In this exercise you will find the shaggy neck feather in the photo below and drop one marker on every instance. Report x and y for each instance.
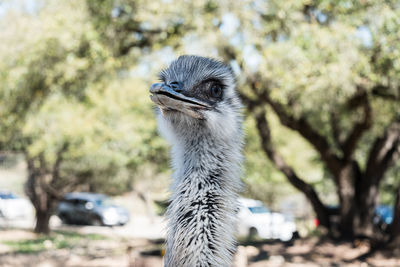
(201, 215)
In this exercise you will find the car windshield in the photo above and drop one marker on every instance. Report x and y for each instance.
(258, 209)
(104, 202)
(8, 196)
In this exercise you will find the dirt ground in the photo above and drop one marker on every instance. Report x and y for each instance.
(313, 253)
(116, 251)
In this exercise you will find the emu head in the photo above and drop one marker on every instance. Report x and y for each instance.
(197, 92)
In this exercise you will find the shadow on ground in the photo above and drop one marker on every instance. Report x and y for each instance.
(69, 248)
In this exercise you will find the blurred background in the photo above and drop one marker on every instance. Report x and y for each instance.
(84, 175)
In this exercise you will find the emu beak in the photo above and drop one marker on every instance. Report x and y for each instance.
(168, 98)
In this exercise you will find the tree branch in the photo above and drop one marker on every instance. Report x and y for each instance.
(29, 186)
(59, 159)
(280, 164)
(384, 151)
(334, 122)
(383, 91)
(359, 128)
(55, 174)
(302, 126)
(248, 102)
(51, 191)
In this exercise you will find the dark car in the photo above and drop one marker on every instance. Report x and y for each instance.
(91, 209)
(383, 217)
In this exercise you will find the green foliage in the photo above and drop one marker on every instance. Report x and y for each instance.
(312, 57)
(61, 87)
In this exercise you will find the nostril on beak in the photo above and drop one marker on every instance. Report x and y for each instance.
(176, 86)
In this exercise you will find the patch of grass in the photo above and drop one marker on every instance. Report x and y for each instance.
(78, 236)
(56, 240)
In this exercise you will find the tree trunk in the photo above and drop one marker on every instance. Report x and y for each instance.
(395, 225)
(358, 196)
(42, 221)
(346, 192)
(41, 200)
(367, 196)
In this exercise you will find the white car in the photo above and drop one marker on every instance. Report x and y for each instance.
(256, 220)
(13, 206)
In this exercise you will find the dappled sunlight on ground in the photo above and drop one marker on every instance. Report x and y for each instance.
(138, 227)
(313, 253)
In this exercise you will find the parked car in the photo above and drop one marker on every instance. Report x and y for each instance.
(12, 206)
(383, 217)
(91, 209)
(384, 214)
(255, 220)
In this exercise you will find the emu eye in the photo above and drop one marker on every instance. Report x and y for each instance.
(216, 91)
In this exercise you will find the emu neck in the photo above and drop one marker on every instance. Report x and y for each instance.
(196, 157)
(201, 215)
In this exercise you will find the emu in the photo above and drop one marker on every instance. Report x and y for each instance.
(199, 113)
